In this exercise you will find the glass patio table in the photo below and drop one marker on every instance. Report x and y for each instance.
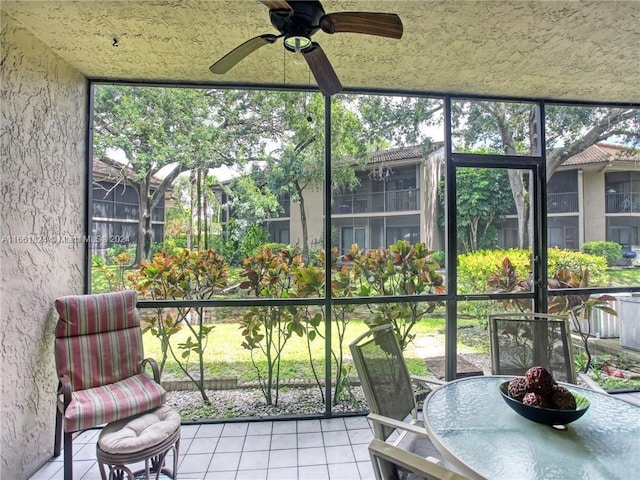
(474, 428)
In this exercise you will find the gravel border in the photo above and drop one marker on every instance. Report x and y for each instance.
(250, 403)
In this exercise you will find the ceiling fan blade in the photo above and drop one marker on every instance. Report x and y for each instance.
(322, 70)
(234, 56)
(276, 4)
(381, 24)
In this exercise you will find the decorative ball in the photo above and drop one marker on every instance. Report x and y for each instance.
(517, 388)
(540, 381)
(562, 399)
(535, 400)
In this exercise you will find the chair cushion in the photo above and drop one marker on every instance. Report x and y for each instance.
(97, 313)
(115, 401)
(139, 433)
(100, 359)
(98, 338)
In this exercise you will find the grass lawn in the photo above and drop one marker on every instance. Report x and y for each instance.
(225, 356)
(621, 277)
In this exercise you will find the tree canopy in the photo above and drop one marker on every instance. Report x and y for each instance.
(164, 132)
(173, 130)
(512, 128)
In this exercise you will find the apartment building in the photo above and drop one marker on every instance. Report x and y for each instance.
(115, 210)
(593, 196)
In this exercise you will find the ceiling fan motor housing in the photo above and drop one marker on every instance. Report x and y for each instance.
(301, 21)
(297, 21)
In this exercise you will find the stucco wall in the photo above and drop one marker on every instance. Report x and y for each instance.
(42, 203)
(595, 225)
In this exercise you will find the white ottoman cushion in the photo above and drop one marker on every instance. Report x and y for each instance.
(138, 433)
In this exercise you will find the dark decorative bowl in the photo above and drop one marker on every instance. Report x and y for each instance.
(547, 416)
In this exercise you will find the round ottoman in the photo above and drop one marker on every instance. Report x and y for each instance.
(149, 436)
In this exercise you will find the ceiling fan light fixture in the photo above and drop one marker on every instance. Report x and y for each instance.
(297, 21)
(297, 43)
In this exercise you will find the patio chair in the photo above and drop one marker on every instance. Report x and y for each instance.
(523, 340)
(389, 462)
(100, 366)
(388, 389)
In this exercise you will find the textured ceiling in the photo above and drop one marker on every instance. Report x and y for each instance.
(569, 50)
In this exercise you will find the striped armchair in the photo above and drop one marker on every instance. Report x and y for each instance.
(100, 365)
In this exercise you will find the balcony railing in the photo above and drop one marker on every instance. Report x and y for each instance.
(123, 211)
(393, 201)
(562, 202)
(623, 203)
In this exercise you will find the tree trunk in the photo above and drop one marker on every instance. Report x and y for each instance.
(205, 209)
(199, 215)
(144, 221)
(515, 176)
(192, 182)
(534, 149)
(303, 221)
(528, 218)
(517, 189)
(473, 233)
(431, 184)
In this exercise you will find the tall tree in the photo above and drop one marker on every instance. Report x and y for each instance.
(512, 129)
(481, 201)
(400, 120)
(297, 165)
(251, 203)
(173, 130)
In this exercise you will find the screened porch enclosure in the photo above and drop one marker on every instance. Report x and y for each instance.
(408, 224)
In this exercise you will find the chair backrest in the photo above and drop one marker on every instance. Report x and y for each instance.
(98, 338)
(523, 340)
(384, 376)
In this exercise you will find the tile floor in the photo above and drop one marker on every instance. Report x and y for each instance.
(331, 449)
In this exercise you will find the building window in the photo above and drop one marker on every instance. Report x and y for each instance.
(351, 235)
(562, 232)
(116, 214)
(562, 192)
(623, 230)
(509, 233)
(283, 235)
(622, 192)
(410, 234)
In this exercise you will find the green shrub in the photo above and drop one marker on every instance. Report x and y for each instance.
(97, 261)
(475, 268)
(611, 251)
(170, 246)
(114, 251)
(438, 257)
(274, 246)
(577, 261)
(252, 240)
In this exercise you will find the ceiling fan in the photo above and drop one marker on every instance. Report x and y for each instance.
(298, 21)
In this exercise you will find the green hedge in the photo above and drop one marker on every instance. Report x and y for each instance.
(475, 268)
(574, 261)
(611, 251)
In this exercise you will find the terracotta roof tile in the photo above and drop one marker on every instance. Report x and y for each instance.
(402, 153)
(603, 153)
(103, 172)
